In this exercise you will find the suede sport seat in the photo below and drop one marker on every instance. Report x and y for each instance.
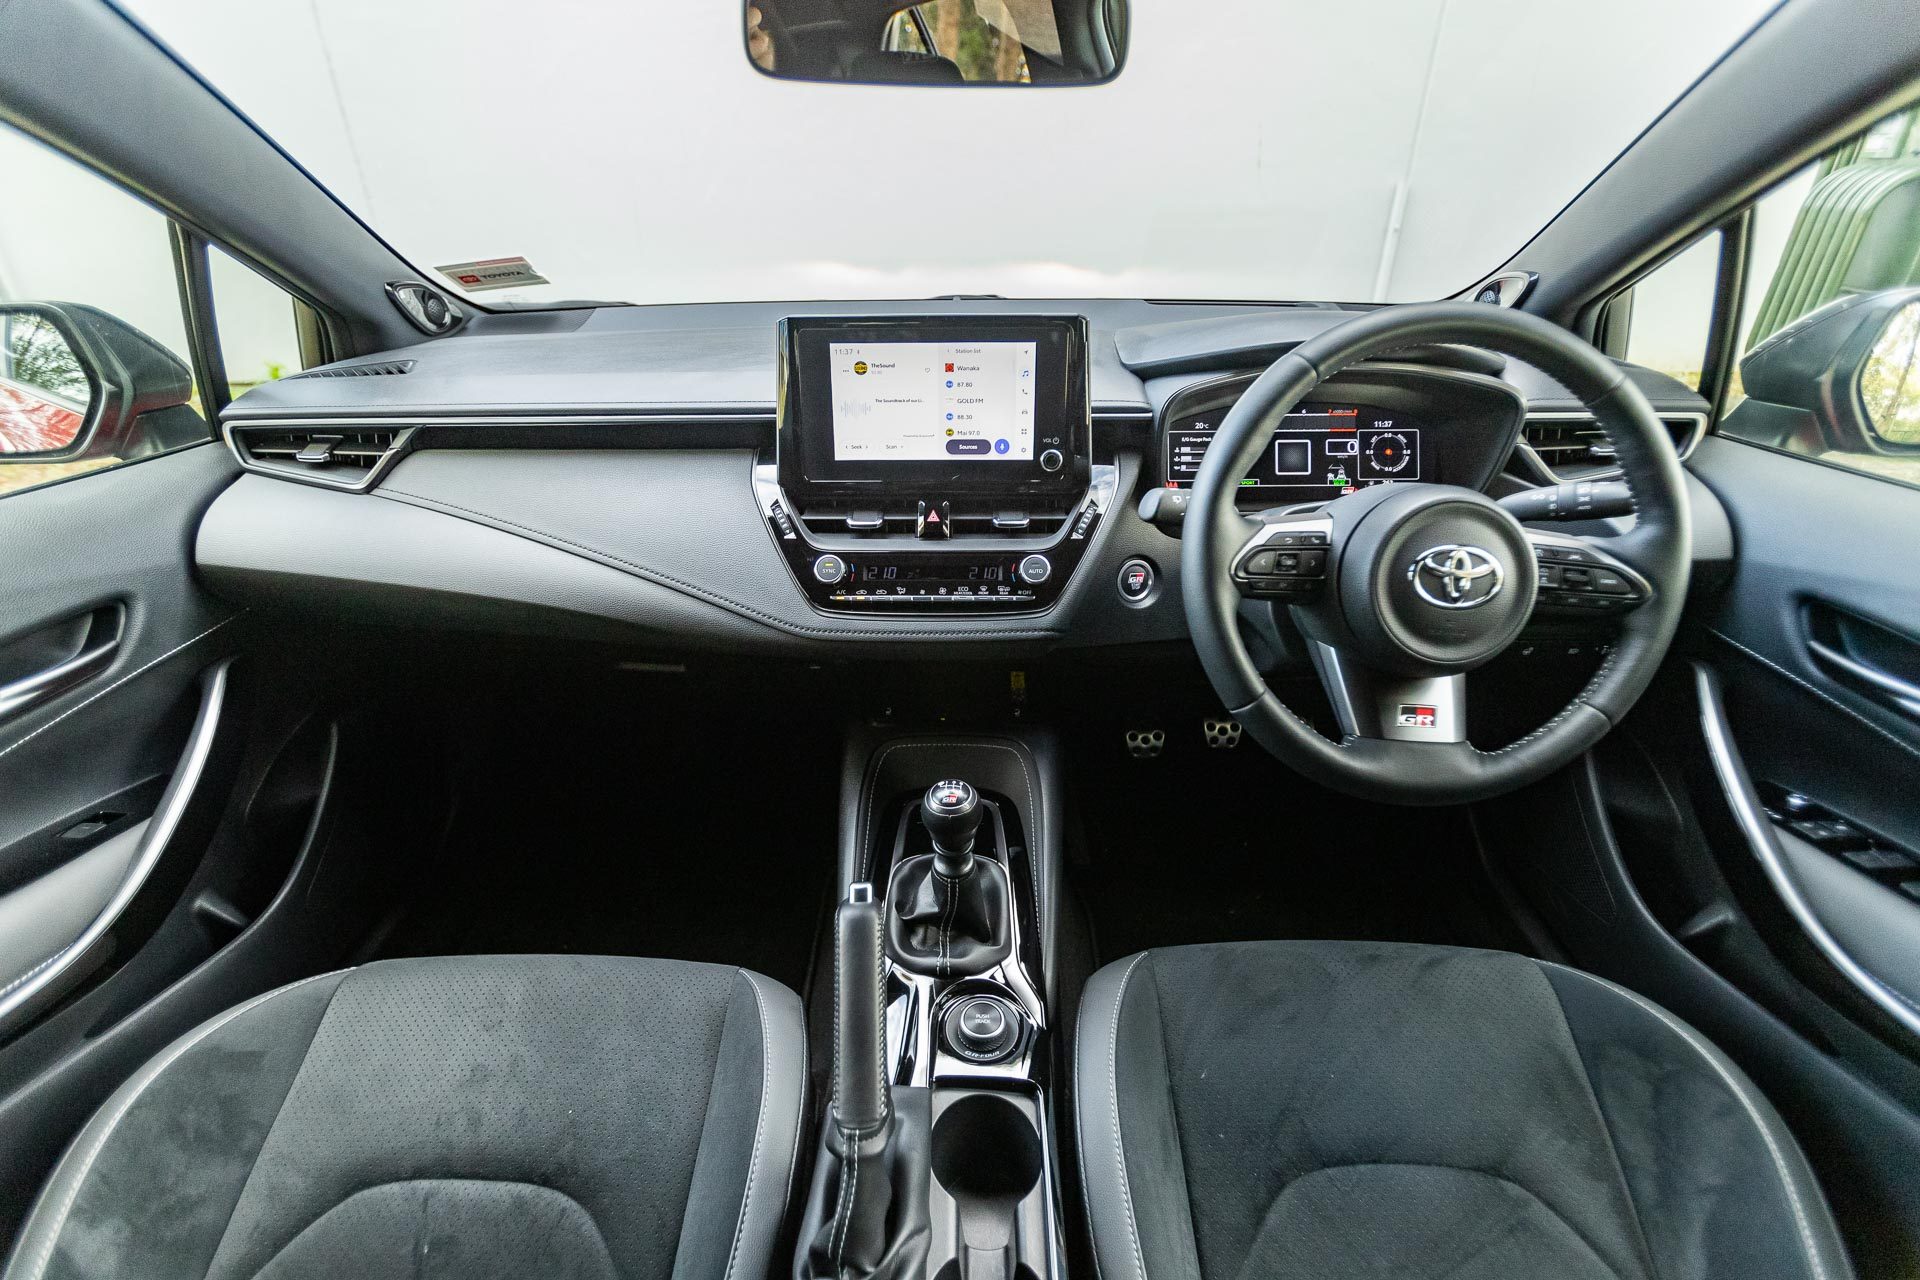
(1333, 1110)
(505, 1116)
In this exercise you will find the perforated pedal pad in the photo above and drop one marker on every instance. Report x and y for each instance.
(1145, 744)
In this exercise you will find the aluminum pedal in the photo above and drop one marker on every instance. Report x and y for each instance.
(1221, 735)
(1145, 744)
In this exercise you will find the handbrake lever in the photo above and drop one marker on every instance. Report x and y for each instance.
(866, 1216)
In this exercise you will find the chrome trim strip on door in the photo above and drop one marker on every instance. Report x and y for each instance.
(30, 691)
(1737, 786)
(19, 993)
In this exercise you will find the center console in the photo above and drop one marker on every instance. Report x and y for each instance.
(937, 1161)
(933, 464)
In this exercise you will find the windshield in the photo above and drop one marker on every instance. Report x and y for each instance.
(1256, 150)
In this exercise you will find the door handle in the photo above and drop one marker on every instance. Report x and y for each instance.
(30, 691)
(1902, 693)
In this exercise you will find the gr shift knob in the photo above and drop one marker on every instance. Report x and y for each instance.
(952, 813)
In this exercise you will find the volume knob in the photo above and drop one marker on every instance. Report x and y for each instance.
(1052, 460)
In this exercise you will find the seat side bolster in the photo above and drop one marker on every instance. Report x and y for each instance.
(1132, 1174)
(743, 1175)
(1683, 1117)
(69, 1189)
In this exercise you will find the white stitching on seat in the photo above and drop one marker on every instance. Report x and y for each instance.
(39, 1268)
(1693, 1042)
(759, 1122)
(1113, 1102)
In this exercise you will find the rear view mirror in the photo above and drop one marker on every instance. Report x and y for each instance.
(76, 383)
(951, 43)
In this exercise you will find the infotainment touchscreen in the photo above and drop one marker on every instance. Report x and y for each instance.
(931, 401)
(930, 407)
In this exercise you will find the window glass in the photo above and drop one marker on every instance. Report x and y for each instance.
(903, 35)
(83, 266)
(1833, 305)
(1673, 312)
(984, 37)
(259, 337)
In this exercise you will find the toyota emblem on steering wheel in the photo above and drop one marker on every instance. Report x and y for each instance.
(1456, 577)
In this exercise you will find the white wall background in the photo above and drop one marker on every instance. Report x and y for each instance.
(1250, 149)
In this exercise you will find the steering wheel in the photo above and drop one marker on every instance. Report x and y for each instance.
(1401, 589)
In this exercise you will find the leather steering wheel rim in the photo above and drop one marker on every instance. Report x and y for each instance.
(1658, 548)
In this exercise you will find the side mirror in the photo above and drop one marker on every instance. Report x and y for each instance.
(1846, 367)
(77, 383)
(1890, 380)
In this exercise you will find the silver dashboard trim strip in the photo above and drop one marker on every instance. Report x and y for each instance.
(1737, 786)
(160, 828)
(500, 419)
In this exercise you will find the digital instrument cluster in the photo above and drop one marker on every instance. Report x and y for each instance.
(1318, 452)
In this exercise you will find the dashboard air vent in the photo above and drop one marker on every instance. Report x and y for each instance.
(347, 458)
(1572, 445)
(380, 369)
(1037, 519)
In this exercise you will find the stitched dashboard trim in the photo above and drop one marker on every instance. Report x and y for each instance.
(688, 588)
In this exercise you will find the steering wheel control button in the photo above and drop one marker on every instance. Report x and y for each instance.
(1577, 580)
(1136, 580)
(1036, 569)
(829, 569)
(1052, 460)
(983, 1028)
(1283, 563)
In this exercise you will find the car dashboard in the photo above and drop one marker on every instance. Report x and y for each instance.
(708, 478)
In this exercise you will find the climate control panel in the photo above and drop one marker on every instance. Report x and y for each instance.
(876, 574)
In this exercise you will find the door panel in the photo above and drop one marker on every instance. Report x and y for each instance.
(86, 765)
(1814, 541)
(1810, 642)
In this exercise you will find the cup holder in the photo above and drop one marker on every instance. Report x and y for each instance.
(985, 1148)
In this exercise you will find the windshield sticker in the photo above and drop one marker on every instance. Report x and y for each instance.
(493, 273)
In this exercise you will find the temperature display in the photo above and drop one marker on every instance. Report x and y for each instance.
(934, 578)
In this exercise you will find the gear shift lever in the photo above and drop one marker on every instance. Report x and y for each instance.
(947, 911)
(951, 812)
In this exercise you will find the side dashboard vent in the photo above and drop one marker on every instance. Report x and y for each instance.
(1572, 445)
(345, 458)
(380, 369)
